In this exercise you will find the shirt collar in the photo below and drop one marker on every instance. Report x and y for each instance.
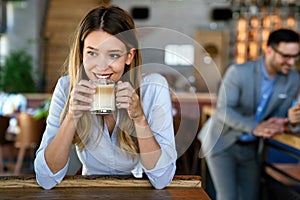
(266, 75)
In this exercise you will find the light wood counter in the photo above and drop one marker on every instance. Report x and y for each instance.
(102, 187)
(191, 97)
(288, 139)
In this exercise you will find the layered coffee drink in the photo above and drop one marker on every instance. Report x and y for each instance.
(104, 98)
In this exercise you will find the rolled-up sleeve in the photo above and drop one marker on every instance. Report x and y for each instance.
(44, 177)
(158, 109)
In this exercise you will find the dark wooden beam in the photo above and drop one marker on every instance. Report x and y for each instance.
(3, 16)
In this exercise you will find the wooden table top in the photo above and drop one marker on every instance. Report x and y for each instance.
(291, 140)
(101, 187)
(191, 97)
(291, 169)
(286, 173)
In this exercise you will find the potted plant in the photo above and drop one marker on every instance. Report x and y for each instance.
(16, 74)
(42, 111)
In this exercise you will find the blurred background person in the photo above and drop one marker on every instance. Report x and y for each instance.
(253, 102)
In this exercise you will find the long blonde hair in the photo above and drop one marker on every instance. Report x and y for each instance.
(114, 21)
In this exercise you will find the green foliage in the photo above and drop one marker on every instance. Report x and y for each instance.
(43, 110)
(16, 74)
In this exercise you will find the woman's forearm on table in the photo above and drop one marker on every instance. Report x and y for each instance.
(57, 152)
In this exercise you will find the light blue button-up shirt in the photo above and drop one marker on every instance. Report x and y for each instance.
(106, 157)
(266, 91)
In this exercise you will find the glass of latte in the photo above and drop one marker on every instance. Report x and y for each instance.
(104, 98)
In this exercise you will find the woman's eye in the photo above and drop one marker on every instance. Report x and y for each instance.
(92, 53)
(115, 56)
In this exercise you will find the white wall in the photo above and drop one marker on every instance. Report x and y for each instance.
(22, 27)
(181, 15)
(175, 22)
(24, 23)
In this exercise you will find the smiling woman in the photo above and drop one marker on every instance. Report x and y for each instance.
(105, 58)
(130, 140)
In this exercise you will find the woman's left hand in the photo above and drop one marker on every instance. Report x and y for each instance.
(127, 98)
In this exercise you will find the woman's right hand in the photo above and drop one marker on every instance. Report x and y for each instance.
(81, 98)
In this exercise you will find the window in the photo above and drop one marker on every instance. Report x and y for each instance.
(179, 55)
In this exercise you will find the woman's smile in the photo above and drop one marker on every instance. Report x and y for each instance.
(102, 76)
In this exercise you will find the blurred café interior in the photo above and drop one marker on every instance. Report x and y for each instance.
(190, 42)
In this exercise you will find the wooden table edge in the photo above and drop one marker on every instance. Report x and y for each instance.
(99, 181)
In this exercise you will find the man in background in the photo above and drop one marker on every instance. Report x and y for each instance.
(253, 101)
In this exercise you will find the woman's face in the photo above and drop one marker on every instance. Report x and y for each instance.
(105, 56)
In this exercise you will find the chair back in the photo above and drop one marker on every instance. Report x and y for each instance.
(4, 123)
(31, 130)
